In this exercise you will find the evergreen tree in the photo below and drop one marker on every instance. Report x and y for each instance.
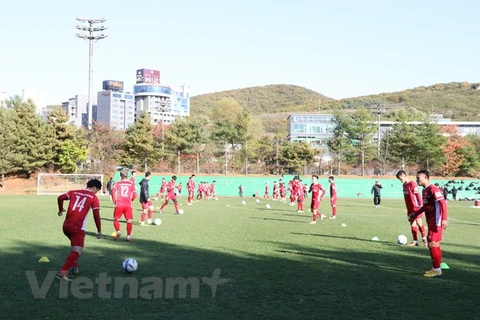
(35, 140)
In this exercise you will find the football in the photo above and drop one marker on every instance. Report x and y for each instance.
(257, 201)
(402, 239)
(243, 202)
(180, 211)
(267, 206)
(130, 265)
(158, 222)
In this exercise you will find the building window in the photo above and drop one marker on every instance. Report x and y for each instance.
(298, 127)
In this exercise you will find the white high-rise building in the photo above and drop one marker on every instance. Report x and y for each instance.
(37, 97)
(77, 110)
(115, 107)
(163, 102)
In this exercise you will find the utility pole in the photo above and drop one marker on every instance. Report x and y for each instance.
(92, 29)
(379, 108)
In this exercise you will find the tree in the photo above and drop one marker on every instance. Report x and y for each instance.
(401, 137)
(9, 159)
(139, 143)
(296, 155)
(232, 125)
(71, 147)
(452, 151)
(428, 142)
(106, 148)
(338, 144)
(357, 129)
(186, 135)
(35, 139)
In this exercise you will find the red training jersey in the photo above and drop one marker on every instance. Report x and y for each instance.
(333, 190)
(171, 187)
(190, 185)
(123, 193)
(434, 206)
(413, 198)
(81, 201)
(317, 191)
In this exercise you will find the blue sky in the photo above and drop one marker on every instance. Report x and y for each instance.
(338, 48)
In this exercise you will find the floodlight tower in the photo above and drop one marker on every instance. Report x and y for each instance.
(92, 33)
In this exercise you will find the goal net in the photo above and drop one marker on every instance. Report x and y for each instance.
(56, 184)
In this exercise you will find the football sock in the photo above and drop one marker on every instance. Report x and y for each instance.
(422, 232)
(414, 233)
(116, 225)
(176, 207)
(70, 262)
(163, 206)
(334, 211)
(314, 216)
(150, 214)
(436, 255)
(129, 228)
(142, 219)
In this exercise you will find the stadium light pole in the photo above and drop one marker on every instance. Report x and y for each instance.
(92, 29)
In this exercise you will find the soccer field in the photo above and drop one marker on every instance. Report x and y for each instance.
(264, 264)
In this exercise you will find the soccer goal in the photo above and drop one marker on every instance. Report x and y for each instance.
(56, 184)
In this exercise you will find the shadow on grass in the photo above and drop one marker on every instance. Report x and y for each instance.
(286, 281)
(273, 219)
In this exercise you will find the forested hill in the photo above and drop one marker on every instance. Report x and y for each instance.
(264, 100)
(457, 100)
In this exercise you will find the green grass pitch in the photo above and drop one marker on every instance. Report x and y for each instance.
(278, 266)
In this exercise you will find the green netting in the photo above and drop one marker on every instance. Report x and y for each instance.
(227, 186)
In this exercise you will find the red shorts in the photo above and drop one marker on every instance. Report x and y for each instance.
(314, 205)
(300, 198)
(172, 197)
(119, 211)
(146, 205)
(76, 236)
(434, 233)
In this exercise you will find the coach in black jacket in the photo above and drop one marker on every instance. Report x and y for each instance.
(376, 191)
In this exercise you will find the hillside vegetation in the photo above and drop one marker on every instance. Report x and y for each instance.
(272, 104)
(261, 100)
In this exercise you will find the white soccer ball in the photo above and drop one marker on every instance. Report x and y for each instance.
(257, 201)
(158, 221)
(130, 265)
(243, 202)
(401, 239)
(267, 206)
(180, 211)
(216, 198)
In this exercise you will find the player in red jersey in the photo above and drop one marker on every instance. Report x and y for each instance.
(275, 191)
(190, 189)
(283, 195)
(170, 195)
(435, 208)
(318, 192)
(123, 193)
(213, 194)
(266, 195)
(333, 196)
(161, 192)
(145, 200)
(413, 202)
(132, 178)
(81, 201)
(293, 190)
(300, 195)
